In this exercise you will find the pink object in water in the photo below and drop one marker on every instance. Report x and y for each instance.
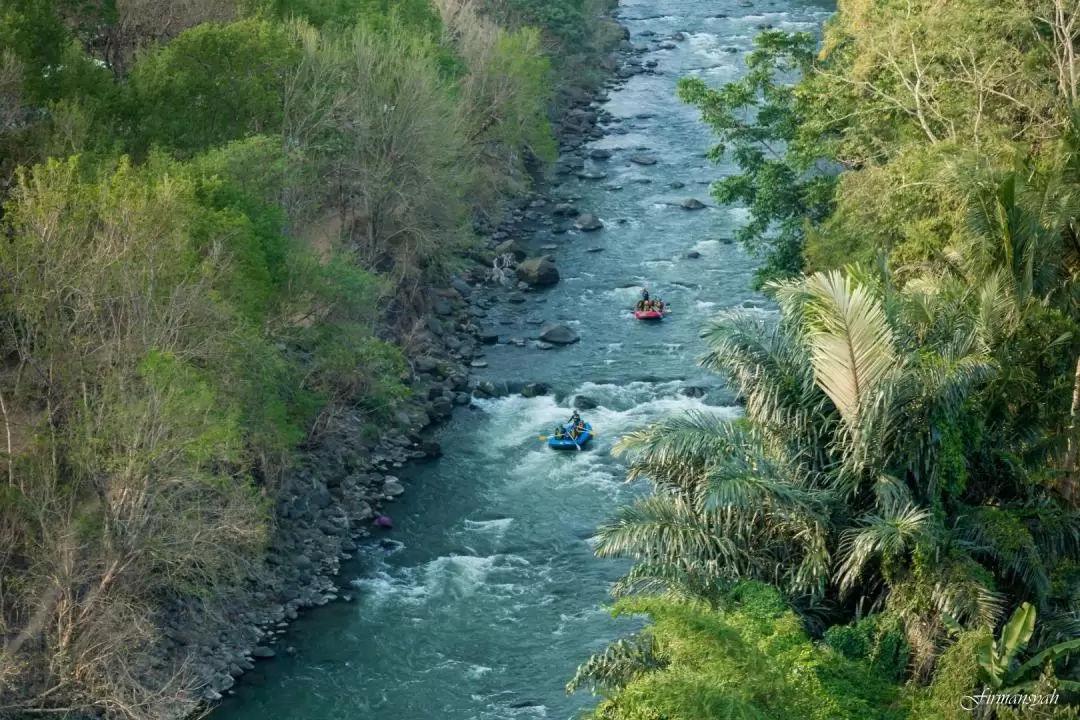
(384, 521)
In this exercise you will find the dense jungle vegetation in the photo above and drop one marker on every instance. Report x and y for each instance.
(217, 214)
(893, 524)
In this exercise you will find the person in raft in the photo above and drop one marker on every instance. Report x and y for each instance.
(645, 293)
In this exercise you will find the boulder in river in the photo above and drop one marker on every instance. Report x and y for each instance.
(643, 160)
(676, 185)
(600, 154)
(584, 402)
(693, 254)
(539, 271)
(587, 222)
(591, 175)
(513, 247)
(565, 209)
(692, 391)
(534, 390)
(558, 335)
(692, 204)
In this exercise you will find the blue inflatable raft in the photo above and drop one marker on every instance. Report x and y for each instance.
(568, 444)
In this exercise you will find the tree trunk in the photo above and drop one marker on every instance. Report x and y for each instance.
(1068, 485)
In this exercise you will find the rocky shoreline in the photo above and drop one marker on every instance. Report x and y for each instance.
(340, 486)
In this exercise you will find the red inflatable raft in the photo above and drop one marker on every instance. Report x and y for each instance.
(648, 315)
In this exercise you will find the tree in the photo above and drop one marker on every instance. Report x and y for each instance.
(847, 483)
(210, 85)
(757, 119)
(748, 659)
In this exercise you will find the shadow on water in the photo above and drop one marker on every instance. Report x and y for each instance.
(490, 596)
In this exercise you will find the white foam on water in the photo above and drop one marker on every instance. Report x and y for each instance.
(385, 587)
(705, 305)
(704, 246)
(614, 348)
(739, 215)
(458, 575)
(497, 528)
(475, 672)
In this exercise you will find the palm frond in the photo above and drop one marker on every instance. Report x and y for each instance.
(619, 664)
(706, 582)
(886, 536)
(664, 527)
(851, 343)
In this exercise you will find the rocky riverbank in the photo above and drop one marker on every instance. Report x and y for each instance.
(340, 486)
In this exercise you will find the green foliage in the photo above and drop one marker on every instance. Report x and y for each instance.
(877, 639)
(210, 85)
(751, 659)
(756, 118)
(54, 67)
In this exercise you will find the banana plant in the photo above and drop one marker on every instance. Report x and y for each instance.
(998, 662)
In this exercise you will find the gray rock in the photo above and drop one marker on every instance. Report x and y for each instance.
(565, 209)
(442, 408)
(516, 298)
(263, 652)
(584, 402)
(425, 364)
(392, 487)
(558, 335)
(693, 254)
(461, 286)
(443, 308)
(478, 364)
(595, 250)
(588, 222)
(538, 271)
(488, 338)
(692, 204)
(676, 185)
(642, 160)
(535, 390)
(693, 391)
(600, 154)
(591, 175)
(513, 247)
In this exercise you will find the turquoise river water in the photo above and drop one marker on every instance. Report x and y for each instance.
(492, 596)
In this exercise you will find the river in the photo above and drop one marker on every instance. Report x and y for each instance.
(491, 595)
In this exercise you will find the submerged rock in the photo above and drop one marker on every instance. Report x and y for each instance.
(539, 271)
(692, 204)
(559, 335)
(588, 222)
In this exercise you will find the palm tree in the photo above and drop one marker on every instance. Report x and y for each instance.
(846, 482)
